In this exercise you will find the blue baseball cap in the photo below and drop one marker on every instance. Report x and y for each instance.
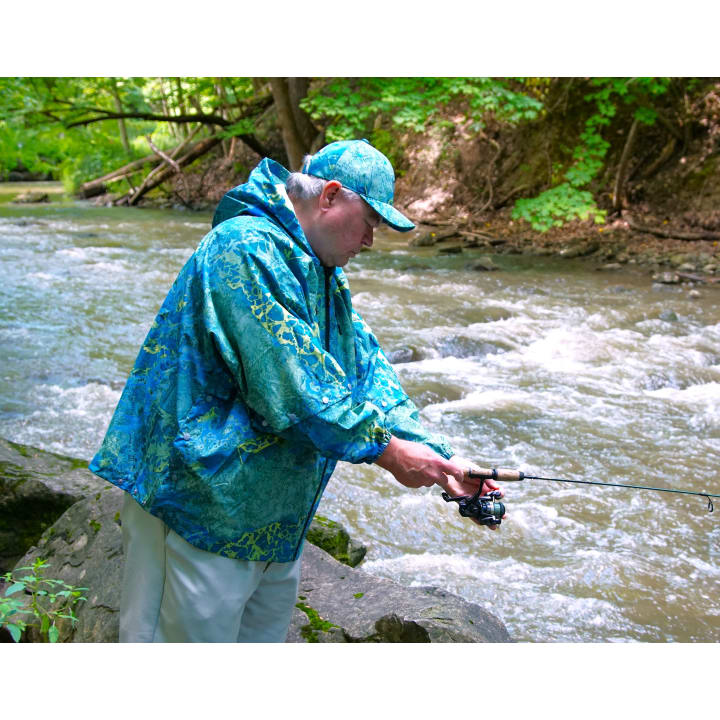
(358, 166)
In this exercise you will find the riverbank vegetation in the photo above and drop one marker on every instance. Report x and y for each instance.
(526, 158)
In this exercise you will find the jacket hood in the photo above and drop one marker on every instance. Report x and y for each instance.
(263, 195)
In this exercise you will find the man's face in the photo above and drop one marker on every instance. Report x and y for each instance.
(341, 227)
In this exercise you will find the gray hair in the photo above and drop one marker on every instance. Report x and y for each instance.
(305, 187)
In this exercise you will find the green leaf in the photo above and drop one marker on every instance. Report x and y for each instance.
(15, 631)
(53, 634)
(15, 587)
(45, 624)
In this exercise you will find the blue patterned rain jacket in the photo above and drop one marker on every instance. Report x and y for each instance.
(255, 378)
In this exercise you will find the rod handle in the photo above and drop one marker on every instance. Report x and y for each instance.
(499, 474)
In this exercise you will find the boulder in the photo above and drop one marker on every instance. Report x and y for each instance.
(610, 266)
(332, 537)
(336, 603)
(341, 604)
(36, 487)
(580, 248)
(404, 354)
(33, 196)
(666, 278)
(482, 264)
(427, 239)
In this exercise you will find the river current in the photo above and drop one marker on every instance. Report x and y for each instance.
(545, 365)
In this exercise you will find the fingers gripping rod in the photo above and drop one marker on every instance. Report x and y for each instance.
(504, 475)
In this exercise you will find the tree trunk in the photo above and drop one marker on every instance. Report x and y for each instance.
(619, 189)
(121, 121)
(166, 107)
(297, 90)
(294, 145)
(180, 102)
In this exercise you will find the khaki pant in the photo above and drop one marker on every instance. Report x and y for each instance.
(175, 592)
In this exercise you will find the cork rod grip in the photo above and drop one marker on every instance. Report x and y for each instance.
(499, 474)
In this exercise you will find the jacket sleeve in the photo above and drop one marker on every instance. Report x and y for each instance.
(256, 313)
(402, 418)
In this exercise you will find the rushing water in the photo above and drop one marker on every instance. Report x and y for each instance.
(546, 365)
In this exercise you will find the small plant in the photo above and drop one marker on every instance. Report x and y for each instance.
(50, 599)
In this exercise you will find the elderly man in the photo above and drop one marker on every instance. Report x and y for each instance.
(255, 378)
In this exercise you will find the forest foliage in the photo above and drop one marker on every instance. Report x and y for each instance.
(79, 129)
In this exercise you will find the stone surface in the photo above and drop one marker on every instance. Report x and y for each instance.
(343, 604)
(36, 487)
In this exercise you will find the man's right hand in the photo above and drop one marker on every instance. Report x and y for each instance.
(415, 465)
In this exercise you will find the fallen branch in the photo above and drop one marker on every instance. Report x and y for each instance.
(97, 186)
(169, 159)
(697, 278)
(166, 171)
(673, 234)
(476, 238)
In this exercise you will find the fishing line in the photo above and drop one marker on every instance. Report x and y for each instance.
(502, 475)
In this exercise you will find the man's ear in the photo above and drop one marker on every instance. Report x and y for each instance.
(329, 194)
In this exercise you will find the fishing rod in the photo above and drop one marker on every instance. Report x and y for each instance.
(487, 509)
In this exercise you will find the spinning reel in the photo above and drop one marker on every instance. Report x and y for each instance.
(486, 509)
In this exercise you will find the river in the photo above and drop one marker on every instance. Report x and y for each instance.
(546, 365)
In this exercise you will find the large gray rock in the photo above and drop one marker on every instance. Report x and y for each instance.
(84, 549)
(36, 487)
(336, 603)
(341, 604)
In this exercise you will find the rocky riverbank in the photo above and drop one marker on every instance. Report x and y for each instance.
(608, 247)
(52, 507)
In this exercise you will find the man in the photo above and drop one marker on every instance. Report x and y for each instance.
(255, 378)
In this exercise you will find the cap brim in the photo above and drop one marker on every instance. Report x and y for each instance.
(396, 220)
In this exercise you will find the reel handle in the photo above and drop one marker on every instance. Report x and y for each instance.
(499, 474)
